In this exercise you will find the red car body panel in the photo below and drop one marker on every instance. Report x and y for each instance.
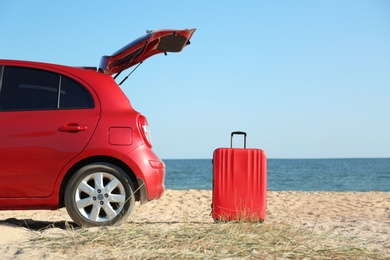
(34, 182)
(32, 146)
(41, 148)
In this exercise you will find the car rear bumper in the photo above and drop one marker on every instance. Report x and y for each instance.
(155, 185)
(150, 173)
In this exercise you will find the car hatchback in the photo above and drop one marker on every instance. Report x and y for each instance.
(70, 137)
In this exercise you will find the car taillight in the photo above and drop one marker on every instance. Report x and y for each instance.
(145, 131)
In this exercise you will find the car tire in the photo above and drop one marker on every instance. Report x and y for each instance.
(99, 194)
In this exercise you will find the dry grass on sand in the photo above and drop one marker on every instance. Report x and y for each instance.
(299, 226)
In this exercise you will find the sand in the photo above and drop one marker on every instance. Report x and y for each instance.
(365, 216)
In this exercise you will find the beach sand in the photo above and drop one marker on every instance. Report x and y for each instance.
(363, 215)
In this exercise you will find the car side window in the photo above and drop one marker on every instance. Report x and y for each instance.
(28, 89)
(33, 89)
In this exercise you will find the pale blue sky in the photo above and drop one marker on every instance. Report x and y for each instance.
(304, 79)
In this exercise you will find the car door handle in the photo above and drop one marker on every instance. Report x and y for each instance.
(72, 128)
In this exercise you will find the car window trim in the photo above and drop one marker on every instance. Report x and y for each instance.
(59, 91)
(1, 77)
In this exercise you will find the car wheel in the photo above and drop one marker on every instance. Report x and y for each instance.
(99, 194)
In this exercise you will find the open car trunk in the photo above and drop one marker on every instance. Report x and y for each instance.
(154, 42)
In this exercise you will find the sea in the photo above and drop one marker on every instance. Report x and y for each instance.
(357, 175)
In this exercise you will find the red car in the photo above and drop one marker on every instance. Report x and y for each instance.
(70, 137)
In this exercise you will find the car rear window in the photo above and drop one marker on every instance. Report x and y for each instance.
(33, 89)
(74, 95)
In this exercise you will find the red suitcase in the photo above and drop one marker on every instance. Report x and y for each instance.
(239, 183)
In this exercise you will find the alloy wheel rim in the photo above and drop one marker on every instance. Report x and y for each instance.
(100, 197)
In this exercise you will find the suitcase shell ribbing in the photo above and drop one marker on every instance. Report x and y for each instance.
(239, 184)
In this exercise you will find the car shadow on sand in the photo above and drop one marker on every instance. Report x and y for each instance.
(38, 225)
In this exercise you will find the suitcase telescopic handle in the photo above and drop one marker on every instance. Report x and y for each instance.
(237, 133)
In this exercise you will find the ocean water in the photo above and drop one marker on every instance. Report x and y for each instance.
(292, 174)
